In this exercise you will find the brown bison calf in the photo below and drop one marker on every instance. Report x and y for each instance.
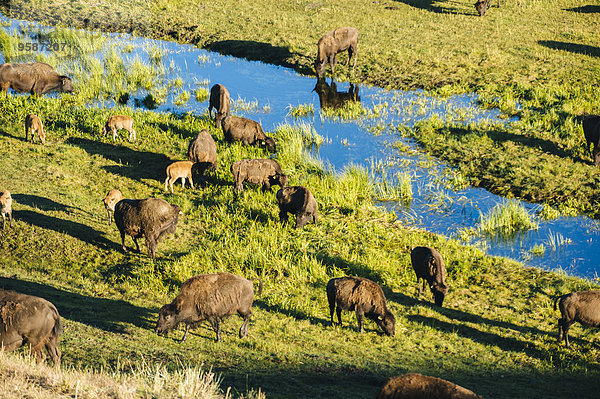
(363, 296)
(429, 266)
(209, 297)
(591, 131)
(582, 307)
(26, 319)
(332, 43)
(118, 122)
(220, 101)
(266, 172)
(299, 201)
(150, 218)
(482, 6)
(180, 169)
(34, 124)
(247, 131)
(202, 151)
(6, 208)
(419, 386)
(110, 201)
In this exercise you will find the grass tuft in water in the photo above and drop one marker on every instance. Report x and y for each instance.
(507, 219)
(301, 110)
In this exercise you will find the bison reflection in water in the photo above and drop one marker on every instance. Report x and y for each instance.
(330, 97)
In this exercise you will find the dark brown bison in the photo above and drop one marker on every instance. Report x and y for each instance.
(429, 266)
(419, 386)
(26, 319)
(332, 43)
(582, 307)
(591, 131)
(299, 201)
(149, 218)
(211, 297)
(6, 208)
(266, 172)
(202, 150)
(482, 6)
(329, 97)
(363, 296)
(34, 77)
(220, 101)
(247, 131)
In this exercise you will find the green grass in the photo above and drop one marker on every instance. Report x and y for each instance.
(507, 219)
(496, 332)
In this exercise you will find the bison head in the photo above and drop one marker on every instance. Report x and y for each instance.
(481, 7)
(167, 318)
(66, 84)
(439, 293)
(270, 144)
(387, 323)
(320, 68)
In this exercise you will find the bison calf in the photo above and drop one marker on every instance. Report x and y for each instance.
(247, 131)
(209, 297)
(363, 296)
(34, 124)
(6, 208)
(419, 386)
(180, 169)
(332, 43)
(298, 201)
(591, 131)
(110, 201)
(220, 101)
(202, 151)
(582, 307)
(266, 172)
(150, 218)
(26, 319)
(118, 122)
(429, 266)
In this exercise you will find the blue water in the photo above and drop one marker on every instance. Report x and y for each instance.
(572, 244)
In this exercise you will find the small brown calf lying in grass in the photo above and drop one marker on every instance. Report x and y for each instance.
(118, 122)
(180, 169)
(33, 123)
(6, 208)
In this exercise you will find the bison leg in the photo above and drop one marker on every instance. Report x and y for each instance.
(123, 241)
(132, 135)
(360, 317)
(167, 183)
(10, 218)
(3, 222)
(338, 312)
(54, 352)
(565, 327)
(190, 180)
(216, 325)
(182, 182)
(38, 351)
(185, 335)
(151, 244)
(332, 63)
(244, 327)
(596, 154)
(283, 216)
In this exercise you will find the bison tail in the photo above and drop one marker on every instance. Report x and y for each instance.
(556, 298)
(260, 285)
(58, 328)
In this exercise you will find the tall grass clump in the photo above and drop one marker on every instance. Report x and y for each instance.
(507, 219)
(201, 94)
(386, 190)
(296, 155)
(301, 110)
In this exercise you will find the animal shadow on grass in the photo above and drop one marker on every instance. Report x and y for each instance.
(575, 48)
(136, 165)
(587, 9)
(296, 314)
(449, 7)
(43, 203)
(74, 229)
(351, 268)
(103, 313)
(17, 137)
(174, 128)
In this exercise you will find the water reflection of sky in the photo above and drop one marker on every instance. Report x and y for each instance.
(571, 244)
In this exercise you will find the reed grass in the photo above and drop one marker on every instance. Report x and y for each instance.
(507, 219)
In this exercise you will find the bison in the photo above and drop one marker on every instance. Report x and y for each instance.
(591, 131)
(266, 172)
(581, 306)
(211, 297)
(247, 131)
(332, 43)
(34, 124)
(202, 150)
(149, 218)
(363, 296)
(6, 208)
(329, 97)
(180, 169)
(419, 386)
(429, 266)
(34, 77)
(299, 201)
(220, 101)
(482, 6)
(118, 122)
(26, 319)
(110, 201)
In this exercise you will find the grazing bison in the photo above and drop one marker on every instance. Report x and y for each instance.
(266, 172)
(34, 124)
(6, 208)
(110, 201)
(118, 122)
(220, 101)
(202, 150)
(26, 319)
(419, 386)
(211, 297)
(247, 131)
(334, 42)
(180, 169)
(429, 266)
(363, 296)
(34, 77)
(298, 201)
(329, 97)
(581, 306)
(149, 218)
(482, 5)
(591, 131)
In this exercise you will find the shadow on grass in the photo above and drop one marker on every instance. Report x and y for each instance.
(136, 165)
(292, 313)
(351, 268)
(259, 51)
(18, 137)
(587, 9)
(575, 48)
(106, 314)
(43, 203)
(448, 7)
(74, 229)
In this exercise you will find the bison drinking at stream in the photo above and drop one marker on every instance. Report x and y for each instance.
(332, 43)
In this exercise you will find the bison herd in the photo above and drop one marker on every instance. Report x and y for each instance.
(33, 321)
